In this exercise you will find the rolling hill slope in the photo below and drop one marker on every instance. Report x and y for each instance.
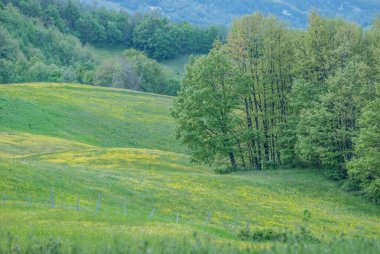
(71, 143)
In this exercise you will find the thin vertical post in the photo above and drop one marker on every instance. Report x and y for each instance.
(208, 218)
(125, 209)
(152, 213)
(77, 204)
(177, 220)
(247, 225)
(29, 201)
(98, 203)
(234, 225)
(51, 198)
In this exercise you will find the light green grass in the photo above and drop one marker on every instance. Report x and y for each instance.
(90, 115)
(106, 52)
(175, 68)
(82, 140)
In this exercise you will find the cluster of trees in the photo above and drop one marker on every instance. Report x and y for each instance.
(50, 40)
(273, 96)
(30, 51)
(134, 70)
(162, 39)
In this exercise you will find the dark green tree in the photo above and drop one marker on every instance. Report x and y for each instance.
(204, 110)
(364, 169)
(90, 30)
(71, 13)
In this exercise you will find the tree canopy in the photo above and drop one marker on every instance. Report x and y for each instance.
(289, 98)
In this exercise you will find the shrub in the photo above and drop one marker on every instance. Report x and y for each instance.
(268, 234)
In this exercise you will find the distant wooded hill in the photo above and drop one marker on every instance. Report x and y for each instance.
(224, 11)
(55, 41)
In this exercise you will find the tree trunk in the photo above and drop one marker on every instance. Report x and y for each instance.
(251, 146)
(232, 160)
(241, 154)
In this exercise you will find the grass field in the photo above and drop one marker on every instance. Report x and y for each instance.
(176, 67)
(106, 52)
(80, 141)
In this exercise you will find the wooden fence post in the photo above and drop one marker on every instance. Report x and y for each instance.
(152, 213)
(51, 198)
(98, 203)
(208, 218)
(247, 225)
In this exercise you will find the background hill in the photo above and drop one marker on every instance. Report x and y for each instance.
(120, 144)
(223, 11)
(72, 42)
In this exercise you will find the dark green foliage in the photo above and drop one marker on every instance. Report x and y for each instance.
(11, 57)
(152, 33)
(161, 39)
(297, 106)
(266, 235)
(42, 72)
(262, 235)
(364, 169)
(44, 41)
(338, 78)
(134, 70)
(90, 30)
(341, 76)
(302, 97)
(258, 49)
(208, 130)
(33, 52)
(330, 126)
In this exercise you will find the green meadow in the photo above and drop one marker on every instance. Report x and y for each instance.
(71, 143)
(175, 68)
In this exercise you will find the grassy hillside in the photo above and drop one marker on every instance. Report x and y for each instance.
(82, 140)
(91, 115)
(105, 53)
(176, 67)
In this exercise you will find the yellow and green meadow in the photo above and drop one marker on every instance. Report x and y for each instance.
(81, 141)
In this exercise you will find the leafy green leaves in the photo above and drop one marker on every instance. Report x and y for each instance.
(204, 109)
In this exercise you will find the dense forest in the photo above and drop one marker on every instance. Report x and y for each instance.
(49, 40)
(272, 97)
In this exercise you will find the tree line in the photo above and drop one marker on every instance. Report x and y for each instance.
(272, 96)
(50, 40)
(152, 33)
